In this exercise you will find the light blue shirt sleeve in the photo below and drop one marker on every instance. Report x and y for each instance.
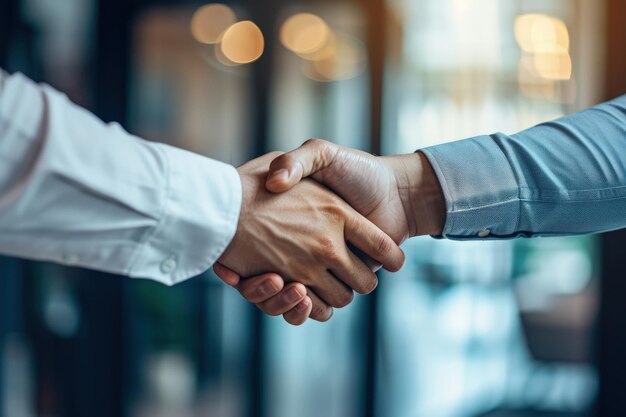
(563, 177)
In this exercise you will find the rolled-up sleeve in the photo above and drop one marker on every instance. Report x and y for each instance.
(563, 177)
(76, 191)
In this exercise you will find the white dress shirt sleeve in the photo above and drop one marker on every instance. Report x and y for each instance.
(79, 192)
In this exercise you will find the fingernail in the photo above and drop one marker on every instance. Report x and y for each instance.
(292, 295)
(266, 289)
(281, 174)
(303, 306)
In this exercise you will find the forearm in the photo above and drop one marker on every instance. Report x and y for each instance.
(76, 191)
(562, 177)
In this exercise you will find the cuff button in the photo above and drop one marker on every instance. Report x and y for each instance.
(168, 265)
(484, 233)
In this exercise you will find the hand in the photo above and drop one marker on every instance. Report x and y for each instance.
(302, 234)
(271, 295)
(401, 194)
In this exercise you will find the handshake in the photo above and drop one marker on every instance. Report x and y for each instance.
(304, 245)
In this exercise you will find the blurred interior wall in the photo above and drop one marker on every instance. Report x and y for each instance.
(592, 70)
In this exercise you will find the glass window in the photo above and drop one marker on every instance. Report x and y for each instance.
(468, 327)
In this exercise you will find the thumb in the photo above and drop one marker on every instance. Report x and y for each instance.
(288, 169)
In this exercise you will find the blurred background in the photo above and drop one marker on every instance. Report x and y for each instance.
(525, 328)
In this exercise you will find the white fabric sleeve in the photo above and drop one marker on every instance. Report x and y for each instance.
(76, 191)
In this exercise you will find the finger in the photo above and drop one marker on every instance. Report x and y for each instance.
(332, 290)
(372, 264)
(373, 242)
(225, 274)
(320, 311)
(300, 313)
(354, 273)
(292, 295)
(261, 288)
(288, 169)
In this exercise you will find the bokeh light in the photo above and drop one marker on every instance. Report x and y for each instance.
(346, 59)
(210, 21)
(538, 33)
(556, 65)
(325, 52)
(243, 42)
(304, 33)
(223, 59)
(545, 43)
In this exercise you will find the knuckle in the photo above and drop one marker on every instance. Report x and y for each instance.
(329, 250)
(383, 244)
(338, 206)
(314, 142)
(325, 150)
(335, 209)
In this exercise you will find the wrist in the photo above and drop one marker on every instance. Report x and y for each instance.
(420, 193)
(231, 257)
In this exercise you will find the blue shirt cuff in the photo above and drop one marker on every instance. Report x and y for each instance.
(476, 209)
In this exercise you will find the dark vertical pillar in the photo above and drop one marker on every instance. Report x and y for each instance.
(263, 13)
(612, 333)
(100, 352)
(99, 381)
(376, 46)
(7, 266)
(112, 59)
(7, 19)
(11, 308)
(10, 288)
(376, 12)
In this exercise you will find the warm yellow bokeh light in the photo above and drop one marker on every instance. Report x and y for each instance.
(325, 52)
(538, 33)
(545, 43)
(347, 61)
(222, 59)
(562, 34)
(210, 21)
(243, 42)
(304, 33)
(556, 65)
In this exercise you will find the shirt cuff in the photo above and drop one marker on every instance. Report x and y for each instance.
(199, 220)
(480, 188)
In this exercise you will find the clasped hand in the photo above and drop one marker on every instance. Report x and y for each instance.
(298, 250)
